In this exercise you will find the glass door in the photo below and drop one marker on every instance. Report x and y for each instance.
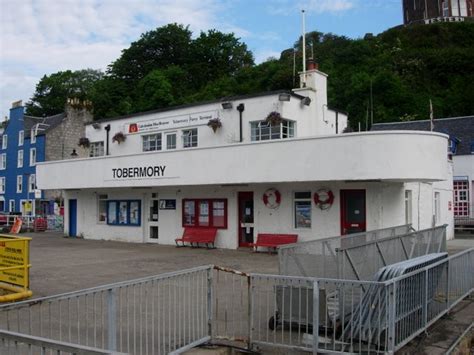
(246, 219)
(153, 218)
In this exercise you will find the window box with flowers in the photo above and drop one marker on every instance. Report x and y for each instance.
(214, 123)
(84, 142)
(119, 137)
(274, 118)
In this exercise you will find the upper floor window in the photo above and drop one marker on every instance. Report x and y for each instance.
(4, 141)
(19, 183)
(33, 135)
(32, 156)
(190, 138)
(2, 185)
(171, 141)
(20, 159)
(96, 149)
(32, 183)
(152, 142)
(3, 161)
(21, 138)
(262, 131)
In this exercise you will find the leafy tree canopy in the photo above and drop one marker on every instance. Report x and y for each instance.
(405, 66)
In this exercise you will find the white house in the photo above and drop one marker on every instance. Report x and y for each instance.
(461, 149)
(299, 176)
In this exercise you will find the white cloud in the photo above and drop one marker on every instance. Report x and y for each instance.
(41, 37)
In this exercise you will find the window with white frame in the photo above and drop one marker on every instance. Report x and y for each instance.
(20, 159)
(32, 183)
(102, 208)
(19, 183)
(21, 138)
(4, 141)
(96, 149)
(302, 209)
(32, 156)
(262, 130)
(3, 161)
(151, 142)
(33, 135)
(190, 138)
(408, 207)
(461, 198)
(2, 185)
(171, 141)
(11, 205)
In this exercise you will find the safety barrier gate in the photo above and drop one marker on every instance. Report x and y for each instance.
(14, 268)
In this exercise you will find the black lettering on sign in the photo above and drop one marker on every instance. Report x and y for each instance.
(139, 172)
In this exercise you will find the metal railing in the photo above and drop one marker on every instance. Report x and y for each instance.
(158, 314)
(359, 256)
(173, 312)
(19, 344)
(28, 222)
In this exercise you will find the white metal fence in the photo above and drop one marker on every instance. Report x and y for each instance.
(359, 256)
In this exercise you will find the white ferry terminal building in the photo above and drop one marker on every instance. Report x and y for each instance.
(222, 164)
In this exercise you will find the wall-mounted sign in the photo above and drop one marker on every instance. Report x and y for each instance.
(139, 172)
(199, 118)
(167, 204)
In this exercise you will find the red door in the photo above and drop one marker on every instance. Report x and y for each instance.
(246, 222)
(353, 219)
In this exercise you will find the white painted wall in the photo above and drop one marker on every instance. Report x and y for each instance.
(386, 156)
(385, 208)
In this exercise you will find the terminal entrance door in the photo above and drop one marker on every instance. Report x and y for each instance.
(353, 218)
(246, 219)
(152, 218)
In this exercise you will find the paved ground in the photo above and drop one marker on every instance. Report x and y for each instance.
(66, 264)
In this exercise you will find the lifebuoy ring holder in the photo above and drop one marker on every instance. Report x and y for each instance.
(326, 203)
(271, 192)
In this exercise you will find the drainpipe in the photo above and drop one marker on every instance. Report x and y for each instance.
(240, 108)
(107, 129)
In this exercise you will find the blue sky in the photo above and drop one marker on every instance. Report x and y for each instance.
(39, 37)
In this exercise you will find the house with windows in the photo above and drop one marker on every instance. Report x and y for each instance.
(27, 140)
(275, 162)
(460, 149)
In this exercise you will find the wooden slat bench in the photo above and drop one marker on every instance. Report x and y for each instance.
(272, 241)
(201, 235)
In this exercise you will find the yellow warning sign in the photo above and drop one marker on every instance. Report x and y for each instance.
(14, 260)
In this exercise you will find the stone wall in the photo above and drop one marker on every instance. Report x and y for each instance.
(63, 139)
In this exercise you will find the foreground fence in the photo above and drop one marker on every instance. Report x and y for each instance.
(359, 256)
(176, 311)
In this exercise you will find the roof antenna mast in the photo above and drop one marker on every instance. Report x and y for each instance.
(304, 48)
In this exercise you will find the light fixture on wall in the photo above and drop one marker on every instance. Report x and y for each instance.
(284, 96)
(305, 101)
(74, 153)
(227, 105)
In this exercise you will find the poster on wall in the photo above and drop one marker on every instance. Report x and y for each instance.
(123, 213)
(303, 214)
(134, 212)
(112, 213)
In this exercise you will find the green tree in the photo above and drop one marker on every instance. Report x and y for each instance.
(53, 90)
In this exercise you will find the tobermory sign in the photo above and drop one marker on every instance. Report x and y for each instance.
(139, 172)
(199, 118)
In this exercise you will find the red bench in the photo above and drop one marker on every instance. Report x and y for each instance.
(274, 240)
(197, 235)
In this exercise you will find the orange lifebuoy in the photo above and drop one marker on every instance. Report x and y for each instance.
(272, 198)
(324, 198)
